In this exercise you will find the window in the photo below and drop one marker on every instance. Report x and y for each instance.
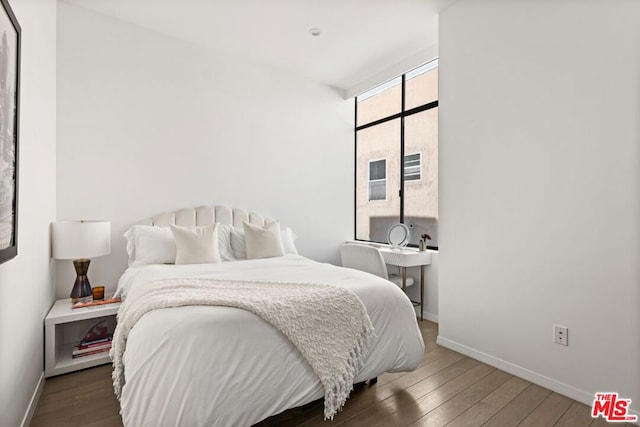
(412, 167)
(378, 180)
(396, 144)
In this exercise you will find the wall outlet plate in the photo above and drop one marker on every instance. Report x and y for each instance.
(560, 335)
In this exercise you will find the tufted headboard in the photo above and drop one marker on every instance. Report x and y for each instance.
(206, 215)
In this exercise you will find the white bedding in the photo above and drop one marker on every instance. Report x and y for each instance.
(222, 366)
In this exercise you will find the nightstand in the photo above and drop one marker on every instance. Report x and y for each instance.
(64, 327)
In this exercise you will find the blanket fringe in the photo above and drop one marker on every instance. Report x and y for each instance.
(337, 393)
(115, 376)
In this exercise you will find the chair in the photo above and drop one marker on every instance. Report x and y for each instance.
(368, 258)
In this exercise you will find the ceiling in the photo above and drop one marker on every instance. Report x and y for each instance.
(359, 39)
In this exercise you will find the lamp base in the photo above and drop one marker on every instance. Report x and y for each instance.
(81, 287)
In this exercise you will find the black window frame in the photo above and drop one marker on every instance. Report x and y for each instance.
(404, 113)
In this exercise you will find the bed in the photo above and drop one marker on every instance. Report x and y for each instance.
(204, 365)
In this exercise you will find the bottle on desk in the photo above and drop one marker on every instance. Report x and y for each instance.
(422, 244)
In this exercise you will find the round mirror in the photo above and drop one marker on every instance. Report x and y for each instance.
(398, 235)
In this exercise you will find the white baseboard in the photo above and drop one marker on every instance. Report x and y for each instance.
(31, 409)
(534, 377)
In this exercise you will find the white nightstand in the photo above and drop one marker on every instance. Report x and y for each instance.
(64, 327)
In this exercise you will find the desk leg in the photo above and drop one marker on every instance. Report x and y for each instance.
(422, 292)
(404, 279)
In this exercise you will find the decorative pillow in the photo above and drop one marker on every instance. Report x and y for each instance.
(263, 242)
(196, 245)
(239, 247)
(147, 244)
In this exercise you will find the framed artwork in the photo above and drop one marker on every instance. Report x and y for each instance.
(9, 119)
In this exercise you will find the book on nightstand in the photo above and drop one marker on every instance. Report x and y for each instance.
(91, 303)
(96, 340)
(97, 343)
(97, 348)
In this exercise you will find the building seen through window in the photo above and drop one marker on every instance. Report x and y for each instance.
(397, 156)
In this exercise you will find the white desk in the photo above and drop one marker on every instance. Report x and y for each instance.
(408, 258)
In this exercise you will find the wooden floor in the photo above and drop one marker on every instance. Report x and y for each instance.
(446, 389)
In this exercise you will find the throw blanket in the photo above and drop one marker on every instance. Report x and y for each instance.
(329, 325)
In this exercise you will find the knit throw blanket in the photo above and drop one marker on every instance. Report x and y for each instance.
(329, 325)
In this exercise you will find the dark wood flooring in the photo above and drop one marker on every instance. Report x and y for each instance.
(446, 389)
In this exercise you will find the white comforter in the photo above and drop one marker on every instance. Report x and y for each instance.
(222, 366)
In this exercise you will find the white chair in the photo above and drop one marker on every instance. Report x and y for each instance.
(368, 258)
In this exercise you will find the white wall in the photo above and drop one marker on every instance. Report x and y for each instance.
(26, 285)
(539, 196)
(149, 123)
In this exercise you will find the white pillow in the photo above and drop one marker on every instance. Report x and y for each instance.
(263, 242)
(224, 242)
(196, 245)
(147, 244)
(239, 247)
(288, 237)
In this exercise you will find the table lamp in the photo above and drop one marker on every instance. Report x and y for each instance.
(79, 241)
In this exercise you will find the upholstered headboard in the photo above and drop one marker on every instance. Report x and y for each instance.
(206, 215)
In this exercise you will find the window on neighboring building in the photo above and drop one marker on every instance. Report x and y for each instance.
(378, 179)
(412, 167)
(397, 156)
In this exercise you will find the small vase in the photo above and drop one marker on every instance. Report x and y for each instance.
(422, 245)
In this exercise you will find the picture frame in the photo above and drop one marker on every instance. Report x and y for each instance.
(10, 40)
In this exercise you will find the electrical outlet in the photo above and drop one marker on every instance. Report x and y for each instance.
(560, 335)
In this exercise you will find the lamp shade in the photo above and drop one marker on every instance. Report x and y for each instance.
(80, 239)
